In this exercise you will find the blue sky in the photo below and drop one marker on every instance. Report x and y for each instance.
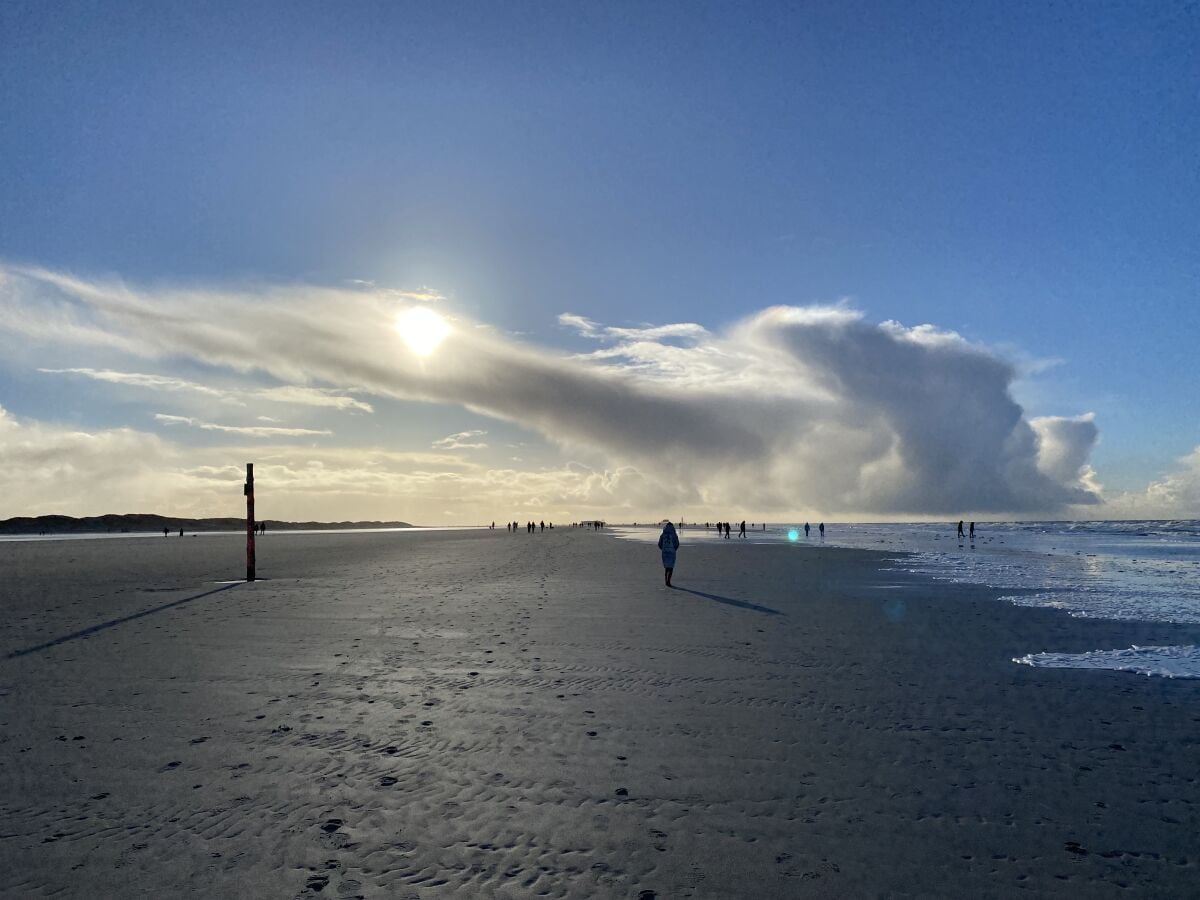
(1022, 174)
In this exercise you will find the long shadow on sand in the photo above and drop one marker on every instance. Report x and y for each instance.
(88, 632)
(730, 601)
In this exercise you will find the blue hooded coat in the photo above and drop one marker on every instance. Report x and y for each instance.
(668, 543)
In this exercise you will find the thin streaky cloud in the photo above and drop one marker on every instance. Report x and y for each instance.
(589, 328)
(258, 431)
(291, 394)
(306, 396)
(152, 382)
(421, 295)
(463, 440)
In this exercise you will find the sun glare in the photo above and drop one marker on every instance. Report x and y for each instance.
(422, 329)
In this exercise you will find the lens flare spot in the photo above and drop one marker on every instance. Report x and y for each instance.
(793, 534)
(422, 329)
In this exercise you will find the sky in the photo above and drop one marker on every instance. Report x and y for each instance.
(712, 260)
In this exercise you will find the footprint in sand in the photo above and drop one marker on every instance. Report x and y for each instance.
(316, 883)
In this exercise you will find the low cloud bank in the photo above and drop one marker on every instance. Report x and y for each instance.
(51, 469)
(793, 408)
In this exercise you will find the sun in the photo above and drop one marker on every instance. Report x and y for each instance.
(422, 329)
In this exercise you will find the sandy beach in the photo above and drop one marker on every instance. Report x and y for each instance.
(479, 714)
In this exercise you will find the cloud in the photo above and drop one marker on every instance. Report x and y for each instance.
(1178, 492)
(51, 469)
(153, 382)
(306, 396)
(421, 295)
(293, 394)
(257, 431)
(587, 328)
(1174, 495)
(1064, 445)
(460, 441)
(584, 326)
(793, 408)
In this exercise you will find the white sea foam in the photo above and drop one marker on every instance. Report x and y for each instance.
(1167, 662)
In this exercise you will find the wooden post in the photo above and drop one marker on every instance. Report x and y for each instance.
(248, 490)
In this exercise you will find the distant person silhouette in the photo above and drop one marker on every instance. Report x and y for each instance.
(164, 531)
(668, 543)
(543, 524)
(742, 529)
(806, 529)
(972, 531)
(960, 528)
(181, 532)
(821, 528)
(726, 531)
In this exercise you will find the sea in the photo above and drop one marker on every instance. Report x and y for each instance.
(1146, 571)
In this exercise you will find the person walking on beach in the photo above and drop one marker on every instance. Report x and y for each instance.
(806, 529)
(972, 531)
(960, 530)
(668, 543)
(742, 529)
(821, 528)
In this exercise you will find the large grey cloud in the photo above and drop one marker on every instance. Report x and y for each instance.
(793, 408)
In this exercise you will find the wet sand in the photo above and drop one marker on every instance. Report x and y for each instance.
(478, 714)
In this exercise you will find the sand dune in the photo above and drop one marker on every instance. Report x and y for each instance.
(478, 714)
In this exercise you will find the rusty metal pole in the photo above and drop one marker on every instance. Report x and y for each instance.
(248, 489)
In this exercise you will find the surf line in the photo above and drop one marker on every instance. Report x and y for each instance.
(88, 632)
